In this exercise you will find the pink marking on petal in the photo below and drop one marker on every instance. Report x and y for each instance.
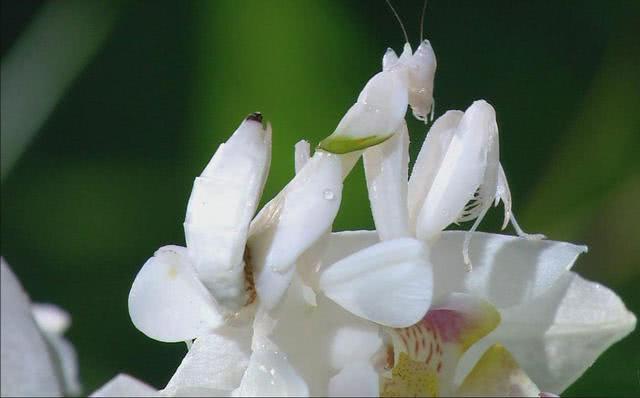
(447, 323)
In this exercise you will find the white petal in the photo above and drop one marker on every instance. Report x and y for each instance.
(271, 286)
(168, 302)
(389, 283)
(216, 361)
(295, 219)
(428, 162)
(461, 172)
(422, 70)
(221, 206)
(376, 115)
(124, 385)
(338, 337)
(27, 367)
(386, 169)
(355, 380)
(188, 391)
(556, 337)
(271, 375)
(507, 270)
(352, 343)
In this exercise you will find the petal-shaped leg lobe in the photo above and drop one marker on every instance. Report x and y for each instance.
(389, 283)
(386, 169)
(167, 301)
(221, 206)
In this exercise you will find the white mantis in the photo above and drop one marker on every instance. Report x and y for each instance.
(381, 106)
(457, 175)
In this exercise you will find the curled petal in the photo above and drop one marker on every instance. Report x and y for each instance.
(497, 374)
(167, 301)
(376, 115)
(386, 169)
(389, 283)
(221, 206)
(429, 160)
(507, 270)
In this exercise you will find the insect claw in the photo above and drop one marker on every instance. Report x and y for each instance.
(255, 116)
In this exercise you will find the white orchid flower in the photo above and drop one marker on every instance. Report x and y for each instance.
(554, 324)
(458, 159)
(183, 293)
(35, 359)
(382, 104)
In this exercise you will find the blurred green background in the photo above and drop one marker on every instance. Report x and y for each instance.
(138, 95)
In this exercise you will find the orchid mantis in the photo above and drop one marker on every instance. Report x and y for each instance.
(457, 175)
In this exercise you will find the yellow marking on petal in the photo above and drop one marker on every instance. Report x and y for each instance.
(487, 319)
(497, 374)
(410, 378)
(172, 272)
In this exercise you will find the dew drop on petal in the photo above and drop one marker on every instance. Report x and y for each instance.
(328, 194)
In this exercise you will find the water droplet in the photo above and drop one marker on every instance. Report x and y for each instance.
(328, 194)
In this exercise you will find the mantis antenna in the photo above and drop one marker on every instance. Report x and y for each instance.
(406, 37)
(424, 11)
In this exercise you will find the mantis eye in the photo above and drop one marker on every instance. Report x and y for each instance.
(422, 69)
(389, 59)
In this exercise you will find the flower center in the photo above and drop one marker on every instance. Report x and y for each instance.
(415, 359)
